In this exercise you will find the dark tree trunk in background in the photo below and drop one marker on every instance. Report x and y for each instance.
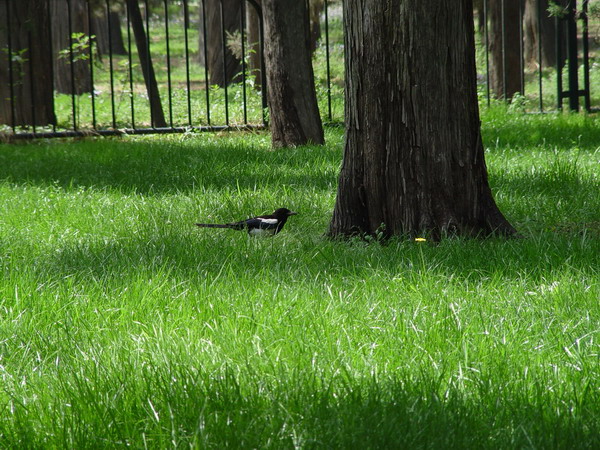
(31, 64)
(505, 67)
(221, 72)
(253, 36)
(100, 29)
(64, 82)
(137, 24)
(479, 11)
(534, 25)
(413, 159)
(316, 7)
(294, 112)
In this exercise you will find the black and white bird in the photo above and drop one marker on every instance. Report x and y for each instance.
(256, 226)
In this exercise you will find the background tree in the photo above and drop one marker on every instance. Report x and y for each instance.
(108, 37)
(539, 30)
(254, 53)
(505, 47)
(295, 118)
(65, 45)
(28, 27)
(413, 157)
(223, 70)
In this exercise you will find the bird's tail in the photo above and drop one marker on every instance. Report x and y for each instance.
(213, 225)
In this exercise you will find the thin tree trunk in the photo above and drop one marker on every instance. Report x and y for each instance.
(70, 80)
(294, 112)
(157, 114)
(413, 159)
(31, 63)
(505, 63)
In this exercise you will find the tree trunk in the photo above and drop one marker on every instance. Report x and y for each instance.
(413, 159)
(538, 32)
(156, 111)
(31, 62)
(479, 11)
(505, 66)
(76, 79)
(294, 112)
(221, 71)
(316, 7)
(253, 33)
(106, 39)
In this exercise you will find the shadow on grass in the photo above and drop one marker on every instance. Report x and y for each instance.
(221, 411)
(301, 259)
(162, 166)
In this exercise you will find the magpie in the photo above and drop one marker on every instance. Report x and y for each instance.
(270, 224)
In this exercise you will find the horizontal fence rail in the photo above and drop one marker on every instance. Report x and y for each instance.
(73, 68)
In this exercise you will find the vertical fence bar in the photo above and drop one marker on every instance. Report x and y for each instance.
(130, 64)
(540, 63)
(572, 55)
(502, 20)
(11, 80)
(327, 62)
(186, 25)
(71, 64)
(147, 14)
(586, 57)
(110, 61)
(52, 65)
(206, 81)
(169, 87)
(243, 30)
(487, 53)
(91, 64)
(263, 71)
(31, 77)
(521, 50)
(558, 28)
(224, 49)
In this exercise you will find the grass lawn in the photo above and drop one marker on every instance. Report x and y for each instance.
(122, 324)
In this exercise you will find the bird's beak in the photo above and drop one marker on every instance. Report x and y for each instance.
(292, 213)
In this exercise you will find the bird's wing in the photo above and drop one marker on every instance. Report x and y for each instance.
(263, 223)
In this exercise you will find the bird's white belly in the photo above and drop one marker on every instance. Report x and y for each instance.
(260, 232)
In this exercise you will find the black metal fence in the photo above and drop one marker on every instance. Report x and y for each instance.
(551, 36)
(85, 67)
(107, 67)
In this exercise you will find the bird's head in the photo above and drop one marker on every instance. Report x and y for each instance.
(284, 212)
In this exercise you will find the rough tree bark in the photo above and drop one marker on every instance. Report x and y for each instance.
(137, 24)
(80, 82)
(413, 159)
(31, 64)
(221, 73)
(295, 118)
(505, 67)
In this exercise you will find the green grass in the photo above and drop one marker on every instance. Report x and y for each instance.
(121, 324)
